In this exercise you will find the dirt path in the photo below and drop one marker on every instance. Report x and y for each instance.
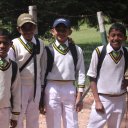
(83, 116)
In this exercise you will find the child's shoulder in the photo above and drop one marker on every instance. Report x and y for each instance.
(99, 47)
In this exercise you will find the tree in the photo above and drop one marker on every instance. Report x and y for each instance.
(78, 11)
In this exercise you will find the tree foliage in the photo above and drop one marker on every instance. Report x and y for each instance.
(78, 11)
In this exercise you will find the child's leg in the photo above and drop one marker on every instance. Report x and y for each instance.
(118, 112)
(96, 119)
(32, 112)
(25, 98)
(69, 114)
(53, 105)
(4, 117)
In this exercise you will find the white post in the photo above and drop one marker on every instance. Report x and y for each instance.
(102, 27)
(33, 11)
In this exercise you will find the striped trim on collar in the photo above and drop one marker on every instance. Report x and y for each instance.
(25, 46)
(60, 51)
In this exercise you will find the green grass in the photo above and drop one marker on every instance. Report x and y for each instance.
(86, 35)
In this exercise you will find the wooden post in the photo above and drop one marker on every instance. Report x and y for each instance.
(33, 11)
(102, 27)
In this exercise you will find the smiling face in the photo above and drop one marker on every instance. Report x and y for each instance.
(5, 44)
(61, 32)
(116, 38)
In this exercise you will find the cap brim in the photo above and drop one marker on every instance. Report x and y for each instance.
(65, 24)
(26, 22)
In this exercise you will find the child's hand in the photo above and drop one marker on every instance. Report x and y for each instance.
(79, 106)
(42, 110)
(124, 84)
(99, 107)
(13, 123)
(79, 103)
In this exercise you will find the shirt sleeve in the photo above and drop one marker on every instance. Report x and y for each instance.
(11, 53)
(92, 71)
(80, 70)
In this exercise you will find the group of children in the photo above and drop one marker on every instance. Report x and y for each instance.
(59, 68)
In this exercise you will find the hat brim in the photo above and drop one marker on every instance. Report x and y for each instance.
(27, 21)
(65, 24)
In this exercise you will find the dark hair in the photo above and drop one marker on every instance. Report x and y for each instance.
(118, 26)
(5, 32)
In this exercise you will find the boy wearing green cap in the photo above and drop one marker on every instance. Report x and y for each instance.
(27, 51)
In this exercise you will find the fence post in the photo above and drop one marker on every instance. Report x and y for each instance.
(33, 11)
(102, 27)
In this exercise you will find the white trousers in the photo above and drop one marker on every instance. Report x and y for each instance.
(60, 100)
(114, 111)
(4, 117)
(30, 107)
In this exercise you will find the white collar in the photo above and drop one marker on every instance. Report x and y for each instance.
(25, 41)
(110, 49)
(58, 43)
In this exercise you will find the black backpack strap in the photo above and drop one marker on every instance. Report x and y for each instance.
(101, 57)
(35, 74)
(50, 59)
(37, 46)
(73, 50)
(14, 71)
(28, 60)
(36, 50)
(126, 58)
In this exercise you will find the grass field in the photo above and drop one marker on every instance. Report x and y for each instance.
(86, 35)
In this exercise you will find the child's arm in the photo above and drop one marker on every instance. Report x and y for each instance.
(79, 105)
(16, 99)
(98, 104)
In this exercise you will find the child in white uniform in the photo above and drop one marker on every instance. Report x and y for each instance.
(24, 47)
(108, 91)
(61, 96)
(8, 88)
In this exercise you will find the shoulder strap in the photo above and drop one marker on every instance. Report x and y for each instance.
(50, 59)
(73, 50)
(28, 60)
(126, 58)
(101, 57)
(36, 50)
(37, 46)
(14, 71)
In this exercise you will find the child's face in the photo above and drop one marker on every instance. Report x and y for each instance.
(27, 30)
(116, 38)
(5, 44)
(61, 33)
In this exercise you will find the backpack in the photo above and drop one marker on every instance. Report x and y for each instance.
(101, 56)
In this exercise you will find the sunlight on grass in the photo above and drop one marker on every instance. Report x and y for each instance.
(86, 35)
